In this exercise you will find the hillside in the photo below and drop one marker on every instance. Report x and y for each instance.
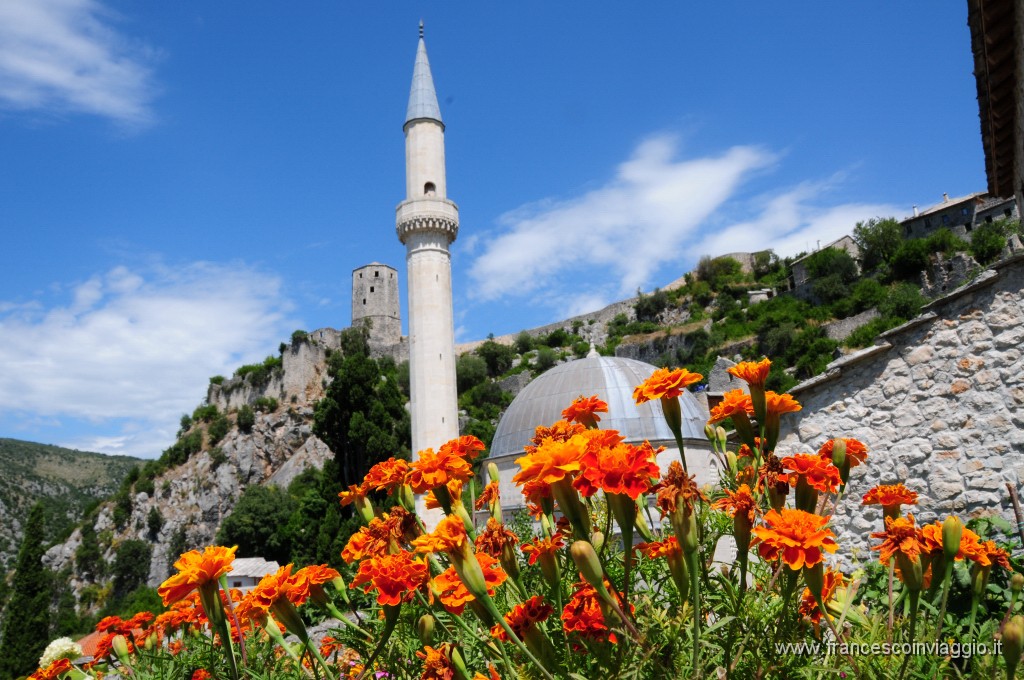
(68, 480)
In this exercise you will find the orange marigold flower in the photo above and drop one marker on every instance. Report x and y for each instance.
(733, 402)
(396, 577)
(386, 475)
(799, 538)
(900, 535)
(52, 671)
(355, 494)
(561, 431)
(666, 548)
(818, 472)
(621, 469)
(676, 488)
(432, 470)
(754, 373)
(931, 542)
(746, 452)
(856, 452)
(309, 581)
(495, 537)
(808, 605)
(991, 554)
(739, 503)
(771, 476)
(376, 538)
(665, 384)
(490, 494)
(450, 534)
(582, 615)
(552, 461)
(890, 496)
(454, 492)
(259, 600)
(437, 663)
(453, 592)
(467, 446)
(110, 623)
(584, 410)
(201, 674)
(196, 569)
(522, 617)
(542, 546)
(492, 674)
(777, 404)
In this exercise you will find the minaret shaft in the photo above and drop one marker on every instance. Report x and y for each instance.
(427, 223)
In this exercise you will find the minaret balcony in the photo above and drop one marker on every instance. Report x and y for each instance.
(427, 215)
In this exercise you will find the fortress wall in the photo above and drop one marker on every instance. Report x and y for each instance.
(938, 401)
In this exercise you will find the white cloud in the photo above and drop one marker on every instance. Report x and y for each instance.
(658, 211)
(63, 55)
(625, 229)
(133, 350)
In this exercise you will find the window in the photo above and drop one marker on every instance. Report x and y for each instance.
(907, 229)
(364, 301)
(927, 223)
(360, 275)
(236, 584)
(945, 219)
(371, 289)
(376, 275)
(963, 211)
(968, 227)
(1007, 212)
(988, 218)
(429, 189)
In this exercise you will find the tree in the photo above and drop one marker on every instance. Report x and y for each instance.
(131, 567)
(88, 558)
(987, 243)
(470, 371)
(27, 628)
(362, 416)
(246, 418)
(648, 307)
(498, 357)
(878, 240)
(256, 524)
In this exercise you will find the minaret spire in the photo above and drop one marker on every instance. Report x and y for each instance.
(427, 223)
(422, 97)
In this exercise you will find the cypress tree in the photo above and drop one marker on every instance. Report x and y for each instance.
(27, 619)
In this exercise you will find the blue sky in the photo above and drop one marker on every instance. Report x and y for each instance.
(184, 184)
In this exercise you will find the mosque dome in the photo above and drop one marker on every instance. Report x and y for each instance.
(612, 379)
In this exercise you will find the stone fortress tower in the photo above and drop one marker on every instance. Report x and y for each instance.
(375, 302)
(427, 223)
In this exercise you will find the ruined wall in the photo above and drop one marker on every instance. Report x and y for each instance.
(938, 402)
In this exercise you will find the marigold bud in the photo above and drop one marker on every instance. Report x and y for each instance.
(120, 647)
(597, 540)
(425, 629)
(1017, 582)
(952, 532)
(492, 473)
(585, 557)
(1013, 643)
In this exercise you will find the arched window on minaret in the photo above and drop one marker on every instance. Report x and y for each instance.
(429, 189)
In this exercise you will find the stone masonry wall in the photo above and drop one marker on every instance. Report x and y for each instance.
(937, 401)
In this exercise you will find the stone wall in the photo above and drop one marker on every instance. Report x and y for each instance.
(843, 328)
(938, 401)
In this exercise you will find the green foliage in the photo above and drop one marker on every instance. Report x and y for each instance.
(254, 524)
(546, 358)
(204, 413)
(470, 370)
(497, 356)
(523, 343)
(299, 337)
(265, 405)
(649, 307)
(987, 242)
(259, 374)
(183, 449)
(218, 427)
(719, 272)
(246, 418)
(89, 562)
(766, 263)
(131, 567)
(27, 617)
(878, 240)
(362, 417)
(154, 522)
(903, 302)
(217, 380)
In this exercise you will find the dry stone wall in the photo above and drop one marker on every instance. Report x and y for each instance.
(938, 402)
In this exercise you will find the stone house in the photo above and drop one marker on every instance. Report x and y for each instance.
(959, 215)
(800, 278)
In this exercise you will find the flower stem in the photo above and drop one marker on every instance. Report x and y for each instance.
(947, 577)
(692, 562)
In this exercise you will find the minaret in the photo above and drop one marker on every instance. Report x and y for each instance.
(427, 223)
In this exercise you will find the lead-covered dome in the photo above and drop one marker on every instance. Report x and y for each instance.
(612, 379)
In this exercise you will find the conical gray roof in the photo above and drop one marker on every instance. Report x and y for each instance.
(611, 379)
(422, 98)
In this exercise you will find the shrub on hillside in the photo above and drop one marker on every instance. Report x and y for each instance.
(246, 418)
